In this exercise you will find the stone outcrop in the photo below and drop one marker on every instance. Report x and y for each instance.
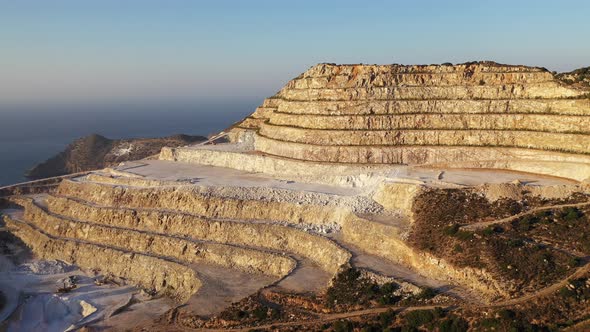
(393, 114)
(150, 272)
(179, 248)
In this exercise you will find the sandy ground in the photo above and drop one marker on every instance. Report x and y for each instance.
(473, 177)
(203, 175)
(223, 286)
(220, 176)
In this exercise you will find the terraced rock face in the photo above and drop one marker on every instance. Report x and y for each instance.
(424, 114)
(309, 191)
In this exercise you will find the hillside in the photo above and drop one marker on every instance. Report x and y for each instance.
(96, 151)
(358, 198)
(579, 77)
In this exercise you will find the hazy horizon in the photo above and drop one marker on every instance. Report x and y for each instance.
(101, 52)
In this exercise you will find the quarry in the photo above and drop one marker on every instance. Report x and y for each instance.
(356, 193)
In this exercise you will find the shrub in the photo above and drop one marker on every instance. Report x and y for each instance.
(260, 313)
(389, 288)
(526, 223)
(348, 287)
(387, 293)
(490, 230)
(418, 318)
(371, 328)
(342, 326)
(566, 292)
(386, 318)
(451, 230)
(427, 293)
(453, 324)
(455, 230)
(575, 262)
(571, 214)
(464, 235)
(506, 314)
(487, 231)
(515, 243)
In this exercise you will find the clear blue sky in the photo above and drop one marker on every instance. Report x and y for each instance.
(88, 50)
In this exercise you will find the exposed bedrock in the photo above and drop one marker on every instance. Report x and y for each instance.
(442, 106)
(537, 161)
(345, 175)
(493, 138)
(161, 275)
(394, 114)
(180, 249)
(190, 200)
(522, 122)
(385, 241)
(372, 237)
(150, 210)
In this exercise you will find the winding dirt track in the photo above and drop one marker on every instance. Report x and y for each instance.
(326, 318)
(484, 224)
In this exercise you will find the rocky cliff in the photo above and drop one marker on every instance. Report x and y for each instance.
(394, 114)
(96, 151)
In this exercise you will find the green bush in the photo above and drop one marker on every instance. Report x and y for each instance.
(491, 230)
(349, 287)
(515, 243)
(566, 292)
(342, 326)
(260, 313)
(427, 293)
(488, 231)
(464, 236)
(526, 223)
(386, 318)
(575, 262)
(506, 314)
(389, 287)
(453, 324)
(571, 214)
(418, 318)
(451, 230)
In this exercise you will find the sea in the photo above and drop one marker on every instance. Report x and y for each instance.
(32, 134)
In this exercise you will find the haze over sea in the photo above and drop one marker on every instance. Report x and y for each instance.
(216, 60)
(31, 134)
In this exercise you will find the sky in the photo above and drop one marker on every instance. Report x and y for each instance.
(93, 51)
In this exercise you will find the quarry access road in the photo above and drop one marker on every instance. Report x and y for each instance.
(325, 318)
(483, 224)
(545, 291)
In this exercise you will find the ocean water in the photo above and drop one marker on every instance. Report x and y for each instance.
(29, 135)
